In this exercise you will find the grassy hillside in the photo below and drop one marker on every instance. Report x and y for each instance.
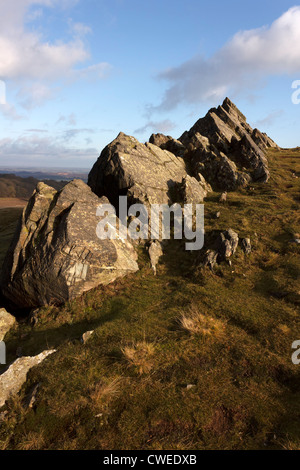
(15, 186)
(186, 360)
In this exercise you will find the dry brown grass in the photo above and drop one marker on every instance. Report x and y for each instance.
(139, 355)
(104, 392)
(195, 322)
(32, 441)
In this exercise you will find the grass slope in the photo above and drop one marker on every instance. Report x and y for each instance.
(186, 360)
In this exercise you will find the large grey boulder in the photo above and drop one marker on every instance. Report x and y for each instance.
(7, 321)
(224, 148)
(56, 255)
(13, 379)
(144, 172)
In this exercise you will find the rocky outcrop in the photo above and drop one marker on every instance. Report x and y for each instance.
(166, 142)
(13, 379)
(56, 255)
(223, 248)
(7, 321)
(263, 140)
(226, 150)
(227, 244)
(191, 191)
(203, 158)
(248, 155)
(144, 172)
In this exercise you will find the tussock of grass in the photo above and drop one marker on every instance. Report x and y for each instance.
(196, 322)
(103, 392)
(139, 355)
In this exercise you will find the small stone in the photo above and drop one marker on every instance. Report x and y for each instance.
(190, 387)
(155, 253)
(31, 396)
(218, 215)
(86, 336)
(246, 245)
(211, 258)
(223, 197)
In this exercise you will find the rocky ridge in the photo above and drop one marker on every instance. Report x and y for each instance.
(56, 255)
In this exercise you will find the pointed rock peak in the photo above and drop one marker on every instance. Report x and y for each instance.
(121, 136)
(231, 108)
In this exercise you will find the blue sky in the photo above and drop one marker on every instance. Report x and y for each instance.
(74, 73)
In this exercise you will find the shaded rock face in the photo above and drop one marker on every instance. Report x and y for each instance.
(56, 255)
(226, 150)
(144, 172)
(166, 142)
(192, 191)
(13, 379)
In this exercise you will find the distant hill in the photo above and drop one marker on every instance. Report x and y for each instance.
(15, 186)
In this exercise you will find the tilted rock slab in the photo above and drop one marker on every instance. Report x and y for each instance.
(56, 255)
(13, 379)
(7, 321)
(226, 150)
(145, 173)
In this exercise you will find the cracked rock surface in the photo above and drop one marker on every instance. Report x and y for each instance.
(56, 254)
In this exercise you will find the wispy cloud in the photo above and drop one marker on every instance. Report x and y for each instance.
(71, 134)
(247, 59)
(156, 126)
(41, 151)
(269, 119)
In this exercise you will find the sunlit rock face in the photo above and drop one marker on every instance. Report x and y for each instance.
(56, 254)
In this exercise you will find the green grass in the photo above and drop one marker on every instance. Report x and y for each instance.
(127, 387)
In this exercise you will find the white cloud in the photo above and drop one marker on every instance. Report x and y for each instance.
(33, 64)
(244, 61)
